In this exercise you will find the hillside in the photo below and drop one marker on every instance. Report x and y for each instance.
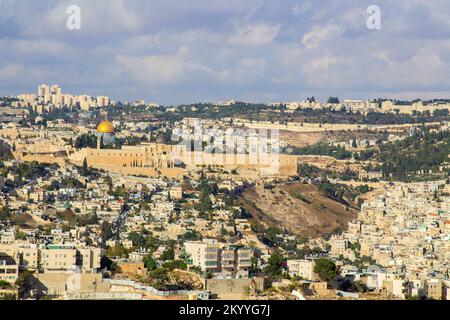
(299, 208)
(424, 153)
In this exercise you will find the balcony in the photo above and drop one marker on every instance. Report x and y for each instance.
(244, 263)
(228, 257)
(211, 264)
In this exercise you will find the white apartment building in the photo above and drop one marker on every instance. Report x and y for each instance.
(176, 193)
(204, 254)
(58, 258)
(43, 90)
(90, 259)
(303, 268)
(52, 96)
(228, 261)
(102, 101)
(9, 263)
(7, 236)
(339, 246)
(236, 262)
(29, 256)
(9, 270)
(55, 90)
(62, 258)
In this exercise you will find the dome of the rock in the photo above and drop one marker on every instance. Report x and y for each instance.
(105, 127)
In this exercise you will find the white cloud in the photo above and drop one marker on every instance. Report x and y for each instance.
(100, 17)
(153, 69)
(198, 50)
(323, 63)
(254, 35)
(319, 34)
(46, 47)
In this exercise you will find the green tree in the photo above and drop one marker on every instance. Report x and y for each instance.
(5, 213)
(137, 239)
(190, 235)
(176, 264)
(149, 262)
(168, 254)
(8, 296)
(325, 269)
(107, 263)
(106, 231)
(274, 264)
(85, 169)
(5, 285)
(25, 283)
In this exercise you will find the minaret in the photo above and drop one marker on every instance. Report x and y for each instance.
(99, 140)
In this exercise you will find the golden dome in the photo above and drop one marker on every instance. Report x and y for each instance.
(105, 127)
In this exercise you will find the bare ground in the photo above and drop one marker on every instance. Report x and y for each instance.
(299, 208)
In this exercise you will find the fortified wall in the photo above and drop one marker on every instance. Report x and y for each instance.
(266, 164)
(157, 160)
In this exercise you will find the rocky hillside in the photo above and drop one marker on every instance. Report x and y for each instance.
(299, 208)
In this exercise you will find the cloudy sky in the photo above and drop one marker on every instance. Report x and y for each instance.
(183, 51)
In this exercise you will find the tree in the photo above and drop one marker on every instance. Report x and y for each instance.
(325, 269)
(168, 254)
(272, 233)
(106, 231)
(85, 169)
(8, 296)
(5, 213)
(149, 262)
(190, 235)
(24, 282)
(5, 285)
(205, 203)
(176, 264)
(107, 263)
(274, 264)
(92, 219)
(137, 239)
(333, 100)
(86, 140)
(160, 277)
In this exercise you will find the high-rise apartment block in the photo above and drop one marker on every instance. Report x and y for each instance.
(51, 97)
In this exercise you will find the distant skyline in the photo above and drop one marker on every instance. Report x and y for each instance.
(180, 51)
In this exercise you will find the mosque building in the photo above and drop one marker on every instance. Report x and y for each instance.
(144, 159)
(105, 134)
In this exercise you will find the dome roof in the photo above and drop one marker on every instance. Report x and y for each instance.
(105, 127)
